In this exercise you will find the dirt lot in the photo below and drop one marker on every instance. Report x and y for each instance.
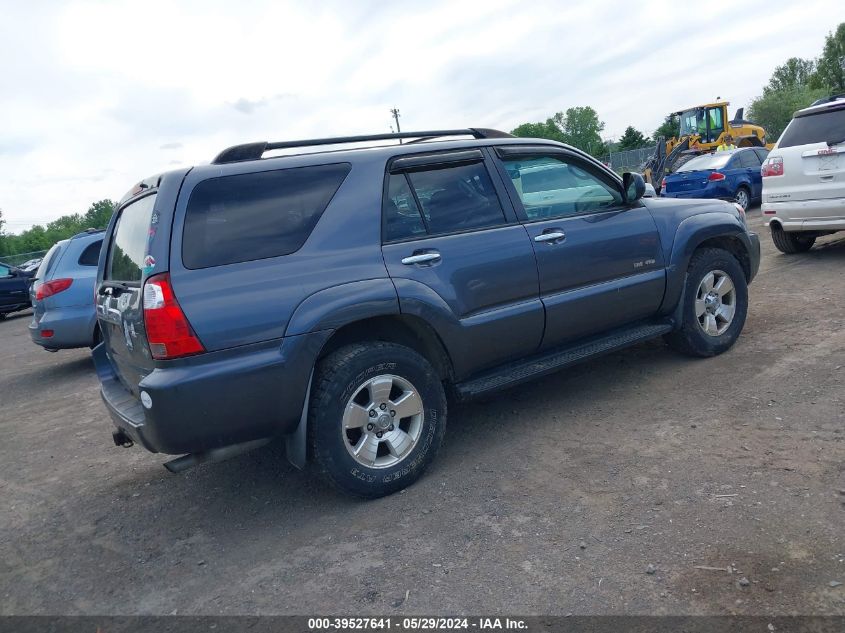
(552, 498)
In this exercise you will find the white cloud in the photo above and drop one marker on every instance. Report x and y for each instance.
(96, 95)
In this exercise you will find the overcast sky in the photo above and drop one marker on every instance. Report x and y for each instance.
(97, 95)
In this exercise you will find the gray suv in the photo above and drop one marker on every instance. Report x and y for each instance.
(335, 298)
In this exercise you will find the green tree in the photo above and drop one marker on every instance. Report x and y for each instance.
(829, 74)
(547, 130)
(774, 110)
(793, 73)
(39, 238)
(582, 128)
(670, 127)
(632, 139)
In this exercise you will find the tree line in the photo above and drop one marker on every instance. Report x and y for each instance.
(41, 238)
(794, 85)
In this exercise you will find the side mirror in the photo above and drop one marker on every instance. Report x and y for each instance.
(634, 186)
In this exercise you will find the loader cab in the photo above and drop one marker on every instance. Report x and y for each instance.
(707, 122)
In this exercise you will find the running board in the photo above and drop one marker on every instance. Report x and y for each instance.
(547, 362)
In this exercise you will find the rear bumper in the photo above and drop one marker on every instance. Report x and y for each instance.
(214, 399)
(72, 327)
(807, 215)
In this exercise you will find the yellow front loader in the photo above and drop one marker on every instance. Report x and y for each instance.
(702, 129)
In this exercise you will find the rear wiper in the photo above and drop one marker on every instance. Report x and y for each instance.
(832, 143)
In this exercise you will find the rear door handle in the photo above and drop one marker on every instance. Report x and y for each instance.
(826, 178)
(552, 236)
(421, 258)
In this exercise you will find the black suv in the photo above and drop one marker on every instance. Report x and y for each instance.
(335, 298)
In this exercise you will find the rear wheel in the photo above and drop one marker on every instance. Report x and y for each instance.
(743, 198)
(715, 303)
(377, 417)
(791, 243)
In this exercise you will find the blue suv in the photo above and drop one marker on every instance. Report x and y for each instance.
(335, 298)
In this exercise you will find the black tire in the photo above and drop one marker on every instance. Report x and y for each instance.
(338, 378)
(791, 243)
(690, 338)
(743, 193)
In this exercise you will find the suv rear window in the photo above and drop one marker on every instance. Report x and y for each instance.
(129, 241)
(254, 216)
(91, 255)
(828, 125)
(50, 258)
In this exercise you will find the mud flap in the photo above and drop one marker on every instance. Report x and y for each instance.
(296, 444)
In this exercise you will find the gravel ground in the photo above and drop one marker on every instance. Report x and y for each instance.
(618, 487)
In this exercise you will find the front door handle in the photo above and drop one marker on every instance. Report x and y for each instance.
(421, 258)
(551, 236)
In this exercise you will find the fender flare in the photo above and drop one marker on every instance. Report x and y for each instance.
(690, 234)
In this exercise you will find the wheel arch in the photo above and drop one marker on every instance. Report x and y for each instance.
(402, 329)
(722, 230)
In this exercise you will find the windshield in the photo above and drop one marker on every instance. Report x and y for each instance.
(708, 161)
(693, 122)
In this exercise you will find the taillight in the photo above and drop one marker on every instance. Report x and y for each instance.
(663, 183)
(716, 176)
(168, 331)
(50, 288)
(772, 166)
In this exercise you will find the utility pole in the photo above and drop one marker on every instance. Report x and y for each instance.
(395, 113)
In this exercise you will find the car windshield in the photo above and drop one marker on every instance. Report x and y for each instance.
(708, 161)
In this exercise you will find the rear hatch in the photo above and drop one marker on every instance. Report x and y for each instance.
(692, 175)
(813, 151)
(120, 293)
(687, 181)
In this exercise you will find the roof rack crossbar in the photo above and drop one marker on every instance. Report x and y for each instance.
(254, 151)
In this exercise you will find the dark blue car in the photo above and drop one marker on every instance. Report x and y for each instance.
(730, 175)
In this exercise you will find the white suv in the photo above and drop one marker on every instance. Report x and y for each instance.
(804, 177)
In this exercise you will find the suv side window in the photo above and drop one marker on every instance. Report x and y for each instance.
(5, 271)
(245, 217)
(91, 255)
(555, 187)
(441, 200)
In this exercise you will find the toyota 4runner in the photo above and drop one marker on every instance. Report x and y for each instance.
(334, 298)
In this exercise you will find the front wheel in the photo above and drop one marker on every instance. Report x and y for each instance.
(376, 419)
(715, 304)
(791, 243)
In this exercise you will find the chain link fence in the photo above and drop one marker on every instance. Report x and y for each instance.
(629, 160)
(22, 258)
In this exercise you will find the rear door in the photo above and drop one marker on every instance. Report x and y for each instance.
(448, 240)
(119, 296)
(599, 260)
(749, 163)
(813, 151)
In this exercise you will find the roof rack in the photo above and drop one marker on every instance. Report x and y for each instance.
(254, 151)
(89, 231)
(829, 99)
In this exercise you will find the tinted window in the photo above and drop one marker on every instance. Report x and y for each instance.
(254, 216)
(551, 187)
(91, 255)
(49, 261)
(708, 161)
(748, 159)
(815, 128)
(129, 241)
(402, 218)
(457, 198)
(762, 153)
